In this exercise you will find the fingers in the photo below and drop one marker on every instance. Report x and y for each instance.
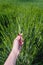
(20, 34)
(20, 39)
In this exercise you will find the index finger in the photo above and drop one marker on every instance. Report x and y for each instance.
(20, 34)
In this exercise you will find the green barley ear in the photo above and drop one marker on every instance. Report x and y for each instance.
(18, 23)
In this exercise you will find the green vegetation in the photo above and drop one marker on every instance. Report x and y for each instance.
(30, 19)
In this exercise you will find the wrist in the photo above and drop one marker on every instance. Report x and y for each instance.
(14, 52)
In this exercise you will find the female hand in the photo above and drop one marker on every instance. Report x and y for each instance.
(17, 44)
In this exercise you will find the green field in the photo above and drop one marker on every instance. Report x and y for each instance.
(28, 15)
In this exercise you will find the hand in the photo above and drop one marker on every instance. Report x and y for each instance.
(17, 44)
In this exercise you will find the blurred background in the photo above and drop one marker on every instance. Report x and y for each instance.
(24, 16)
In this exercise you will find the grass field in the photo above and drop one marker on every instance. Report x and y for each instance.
(29, 16)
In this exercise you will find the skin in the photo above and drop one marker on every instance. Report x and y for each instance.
(11, 60)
